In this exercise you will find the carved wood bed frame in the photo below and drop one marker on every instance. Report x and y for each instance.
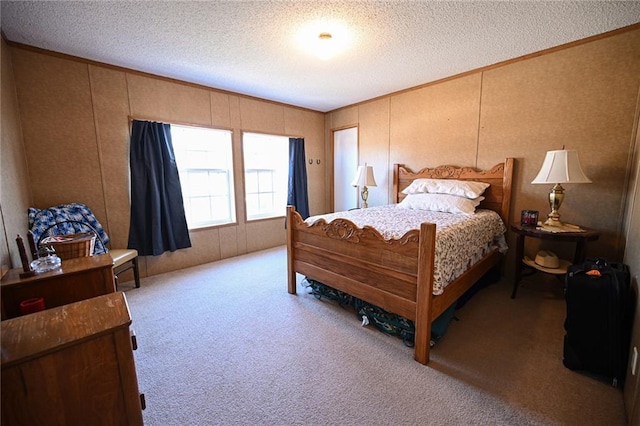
(396, 275)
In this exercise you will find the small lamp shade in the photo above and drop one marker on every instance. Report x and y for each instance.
(561, 166)
(364, 177)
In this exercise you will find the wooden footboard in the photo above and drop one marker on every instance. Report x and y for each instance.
(396, 275)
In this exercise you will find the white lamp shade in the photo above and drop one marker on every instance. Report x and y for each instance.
(364, 177)
(561, 166)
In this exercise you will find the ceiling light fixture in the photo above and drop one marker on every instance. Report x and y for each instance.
(324, 39)
(325, 47)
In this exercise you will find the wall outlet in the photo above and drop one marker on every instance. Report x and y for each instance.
(634, 361)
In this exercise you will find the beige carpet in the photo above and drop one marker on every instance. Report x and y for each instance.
(225, 344)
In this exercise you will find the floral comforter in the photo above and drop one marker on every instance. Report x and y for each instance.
(461, 240)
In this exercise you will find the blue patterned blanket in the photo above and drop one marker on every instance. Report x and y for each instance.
(66, 219)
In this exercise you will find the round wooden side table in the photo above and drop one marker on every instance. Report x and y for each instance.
(523, 231)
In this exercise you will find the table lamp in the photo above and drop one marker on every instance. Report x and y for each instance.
(364, 178)
(560, 166)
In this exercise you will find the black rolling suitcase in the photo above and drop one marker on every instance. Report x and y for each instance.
(599, 318)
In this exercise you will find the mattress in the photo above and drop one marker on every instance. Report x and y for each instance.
(461, 240)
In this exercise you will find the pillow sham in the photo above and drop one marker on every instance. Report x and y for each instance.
(440, 203)
(461, 188)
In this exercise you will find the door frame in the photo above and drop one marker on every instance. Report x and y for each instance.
(332, 167)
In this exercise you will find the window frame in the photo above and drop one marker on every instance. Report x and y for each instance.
(256, 218)
(231, 195)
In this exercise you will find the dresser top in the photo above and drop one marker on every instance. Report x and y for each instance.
(68, 267)
(36, 334)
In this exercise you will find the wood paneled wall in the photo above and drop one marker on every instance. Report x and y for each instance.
(15, 194)
(585, 97)
(582, 97)
(75, 116)
(75, 123)
(65, 132)
(632, 258)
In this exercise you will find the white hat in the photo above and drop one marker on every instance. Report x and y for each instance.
(547, 259)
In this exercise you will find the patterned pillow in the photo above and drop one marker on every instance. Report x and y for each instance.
(66, 219)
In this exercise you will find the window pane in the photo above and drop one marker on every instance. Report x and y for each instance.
(251, 181)
(201, 209)
(219, 183)
(198, 183)
(220, 210)
(266, 203)
(205, 164)
(266, 165)
(265, 183)
(252, 203)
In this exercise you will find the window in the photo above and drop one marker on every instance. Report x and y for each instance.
(205, 164)
(266, 175)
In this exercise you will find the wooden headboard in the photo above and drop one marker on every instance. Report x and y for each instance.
(497, 196)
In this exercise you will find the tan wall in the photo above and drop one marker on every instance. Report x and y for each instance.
(75, 129)
(75, 116)
(582, 97)
(65, 138)
(632, 258)
(15, 195)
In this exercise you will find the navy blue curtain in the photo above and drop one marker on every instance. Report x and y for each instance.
(298, 195)
(158, 222)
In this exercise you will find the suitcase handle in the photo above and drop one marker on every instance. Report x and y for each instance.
(591, 264)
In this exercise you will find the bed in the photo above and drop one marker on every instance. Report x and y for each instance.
(395, 274)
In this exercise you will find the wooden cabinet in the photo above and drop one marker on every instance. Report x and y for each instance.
(77, 279)
(71, 365)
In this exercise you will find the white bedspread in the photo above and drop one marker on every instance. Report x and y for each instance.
(461, 240)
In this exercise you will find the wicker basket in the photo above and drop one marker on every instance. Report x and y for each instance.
(72, 245)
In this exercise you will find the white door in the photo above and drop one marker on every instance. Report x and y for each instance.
(345, 165)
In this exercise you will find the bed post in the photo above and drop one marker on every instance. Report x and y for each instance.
(506, 190)
(291, 273)
(424, 292)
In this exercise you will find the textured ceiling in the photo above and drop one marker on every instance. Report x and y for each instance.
(251, 47)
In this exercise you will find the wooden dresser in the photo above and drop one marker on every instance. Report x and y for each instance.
(71, 365)
(77, 279)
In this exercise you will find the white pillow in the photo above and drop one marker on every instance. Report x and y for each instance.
(461, 188)
(440, 203)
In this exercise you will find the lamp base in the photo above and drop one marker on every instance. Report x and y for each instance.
(553, 221)
(556, 195)
(365, 196)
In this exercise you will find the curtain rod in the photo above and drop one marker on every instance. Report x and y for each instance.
(180, 123)
(208, 126)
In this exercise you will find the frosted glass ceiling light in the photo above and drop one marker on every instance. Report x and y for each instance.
(324, 39)
(325, 47)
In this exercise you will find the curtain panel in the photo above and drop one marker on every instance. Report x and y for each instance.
(158, 221)
(297, 194)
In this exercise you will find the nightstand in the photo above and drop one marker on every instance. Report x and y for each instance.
(522, 231)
